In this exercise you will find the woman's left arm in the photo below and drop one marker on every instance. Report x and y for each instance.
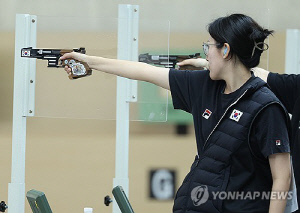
(281, 173)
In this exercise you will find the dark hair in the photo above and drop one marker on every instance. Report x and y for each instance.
(241, 32)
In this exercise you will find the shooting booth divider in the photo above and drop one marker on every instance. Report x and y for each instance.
(48, 92)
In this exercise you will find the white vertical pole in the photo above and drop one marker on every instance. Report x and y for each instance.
(292, 51)
(127, 50)
(292, 66)
(24, 74)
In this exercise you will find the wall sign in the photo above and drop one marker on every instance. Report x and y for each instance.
(162, 184)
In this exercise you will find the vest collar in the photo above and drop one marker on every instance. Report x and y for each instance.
(251, 86)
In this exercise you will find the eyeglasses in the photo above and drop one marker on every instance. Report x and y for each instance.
(206, 47)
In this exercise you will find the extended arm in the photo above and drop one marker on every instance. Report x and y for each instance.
(196, 62)
(281, 174)
(128, 69)
(201, 62)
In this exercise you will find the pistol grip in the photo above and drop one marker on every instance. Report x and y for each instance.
(78, 69)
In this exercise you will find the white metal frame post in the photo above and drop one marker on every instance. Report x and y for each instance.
(292, 66)
(24, 100)
(23, 106)
(292, 51)
(126, 92)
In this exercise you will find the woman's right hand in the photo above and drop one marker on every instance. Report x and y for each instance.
(73, 55)
(196, 62)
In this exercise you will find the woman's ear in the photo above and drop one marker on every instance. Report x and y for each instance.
(226, 50)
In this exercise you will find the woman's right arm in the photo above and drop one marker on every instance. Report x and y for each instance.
(128, 69)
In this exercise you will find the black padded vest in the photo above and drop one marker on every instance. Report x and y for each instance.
(226, 162)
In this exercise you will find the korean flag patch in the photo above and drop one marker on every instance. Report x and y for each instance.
(236, 115)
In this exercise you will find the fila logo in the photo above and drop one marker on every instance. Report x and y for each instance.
(278, 142)
(206, 114)
(236, 115)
